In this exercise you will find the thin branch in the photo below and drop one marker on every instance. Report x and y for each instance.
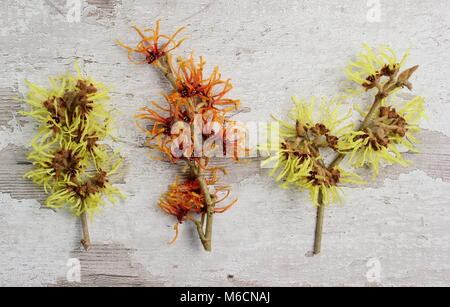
(383, 92)
(86, 241)
(205, 235)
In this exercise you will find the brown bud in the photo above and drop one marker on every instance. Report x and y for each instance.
(300, 129)
(403, 78)
(381, 136)
(408, 85)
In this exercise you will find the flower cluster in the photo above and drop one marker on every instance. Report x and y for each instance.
(295, 149)
(185, 201)
(388, 128)
(193, 126)
(375, 70)
(70, 162)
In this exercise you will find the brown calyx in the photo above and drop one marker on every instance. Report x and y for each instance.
(303, 147)
(389, 123)
(189, 91)
(302, 151)
(90, 186)
(319, 129)
(64, 162)
(377, 138)
(90, 138)
(153, 55)
(56, 107)
(78, 99)
(325, 176)
(70, 102)
(91, 141)
(321, 137)
(373, 80)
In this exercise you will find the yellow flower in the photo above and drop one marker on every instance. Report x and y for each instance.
(294, 149)
(327, 185)
(305, 113)
(371, 67)
(62, 110)
(62, 164)
(390, 128)
(86, 192)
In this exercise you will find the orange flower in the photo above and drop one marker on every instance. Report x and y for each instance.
(191, 83)
(161, 134)
(151, 47)
(184, 200)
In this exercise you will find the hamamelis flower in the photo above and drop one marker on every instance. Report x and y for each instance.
(161, 134)
(371, 67)
(185, 201)
(172, 132)
(62, 110)
(211, 91)
(294, 149)
(63, 164)
(309, 131)
(86, 193)
(325, 181)
(153, 46)
(390, 128)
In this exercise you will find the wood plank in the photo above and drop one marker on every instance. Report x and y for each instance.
(107, 265)
(435, 164)
(272, 52)
(9, 107)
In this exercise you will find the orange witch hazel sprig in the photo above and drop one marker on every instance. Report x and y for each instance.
(192, 127)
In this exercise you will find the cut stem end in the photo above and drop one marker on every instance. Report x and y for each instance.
(86, 241)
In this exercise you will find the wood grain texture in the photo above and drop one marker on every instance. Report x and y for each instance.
(273, 50)
(108, 265)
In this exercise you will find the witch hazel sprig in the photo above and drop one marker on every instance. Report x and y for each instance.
(70, 162)
(191, 127)
(297, 149)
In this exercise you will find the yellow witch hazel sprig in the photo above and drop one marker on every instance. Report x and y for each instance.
(70, 161)
(387, 129)
(295, 149)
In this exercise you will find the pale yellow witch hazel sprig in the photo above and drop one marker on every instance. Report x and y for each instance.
(387, 129)
(70, 162)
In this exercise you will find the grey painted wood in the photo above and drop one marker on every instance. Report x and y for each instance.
(272, 50)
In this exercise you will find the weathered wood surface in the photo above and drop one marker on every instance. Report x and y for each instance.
(273, 50)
